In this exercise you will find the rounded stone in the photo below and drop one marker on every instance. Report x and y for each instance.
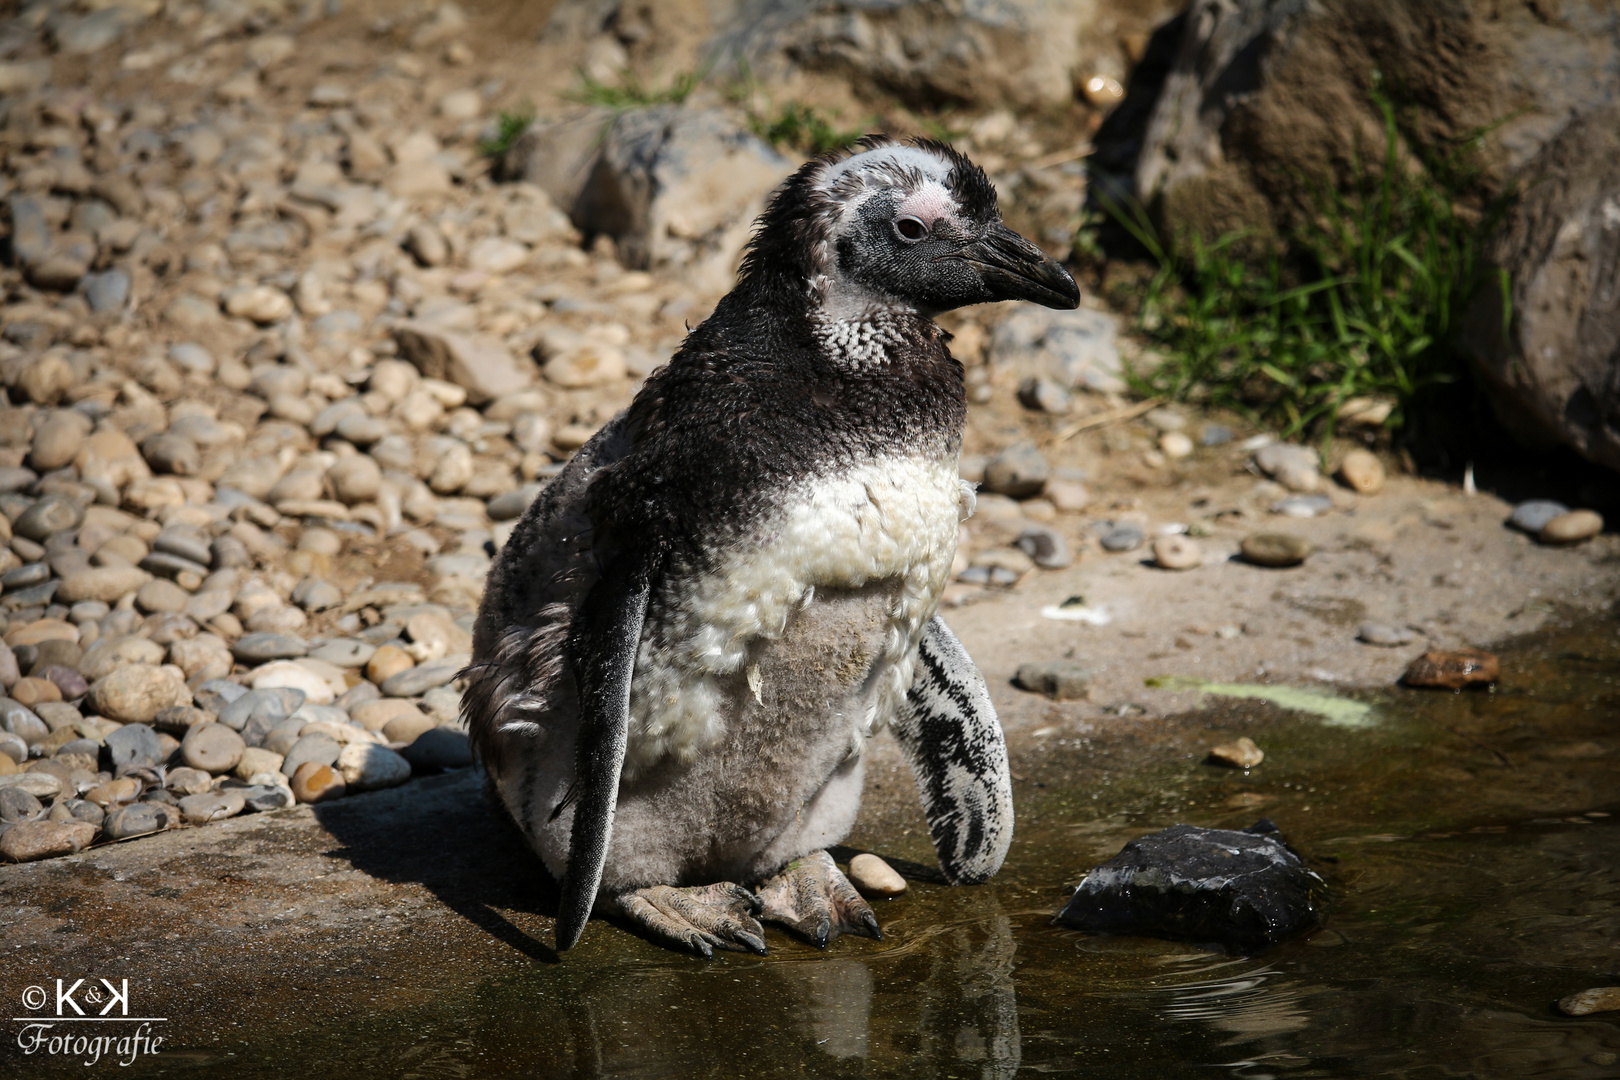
(317, 748)
(167, 452)
(376, 715)
(212, 806)
(1377, 633)
(1532, 515)
(874, 878)
(313, 782)
(22, 721)
(137, 693)
(1177, 553)
(1362, 472)
(1060, 680)
(1571, 528)
(407, 727)
(1240, 753)
(1453, 669)
(47, 516)
(439, 749)
(136, 819)
(134, 744)
(1597, 999)
(386, 662)
(161, 596)
(1276, 549)
(187, 780)
(255, 760)
(367, 766)
(355, 479)
(1175, 445)
(1124, 536)
(34, 840)
(1019, 472)
(263, 647)
(32, 691)
(420, 680)
(1045, 546)
(17, 805)
(213, 748)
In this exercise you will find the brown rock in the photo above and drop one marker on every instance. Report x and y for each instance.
(1276, 549)
(313, 783)
(387, 661)
(103, 583)
(1239, 754)
(31, 691)
(1452, 670)
(1362, 472)
(484, 368)
(1597, 999)
(375, 715)
(45, 839)
(408, 728)
(1572, 528)
(1177, 553)
(136, 694)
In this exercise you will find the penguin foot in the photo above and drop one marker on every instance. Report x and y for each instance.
(812, 898)
(698, 919)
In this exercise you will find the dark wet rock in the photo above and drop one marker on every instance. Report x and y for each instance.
(134, 745)
(1532, 515)
(136, 819)
(1452, 670)
(1241, 892)
(278, 704)
(1019, 472)
(1123, 536)
(50, 514)
(1061, 680)
(438, 749)
(1276, 549)
(1240, 753)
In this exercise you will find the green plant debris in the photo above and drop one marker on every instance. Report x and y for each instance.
(509, 124)
(802, 127)
(1337, 711)
(631, 92)
(1360, 300)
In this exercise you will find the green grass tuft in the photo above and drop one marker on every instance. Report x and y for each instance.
(1361, 302)
(630, 92)
(509, 124)
(802, 127)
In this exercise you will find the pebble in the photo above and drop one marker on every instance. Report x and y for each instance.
(186, 780)
(1303, 506)
(376, 715)
(213, 748)
(1598, 999)
(212, 806)
(315, 782)
(41, 785)
(136, 819)
(161, 596)
(47, 516)
(1276, 549)
(278, 703)
(1241, 753)
(134, 745)
(255, 760)
(317, 748)
(1175, 445)
(387, 662)
(1294, 467)
(260, 648)
(17, 805)
(1362, 472)
(1177, 553)
(104, 583)
(1045, 547)
(1042, 394)
(1214, 435)
(1533, 515)
(1060, 680)
(262, 798)
(874, 878)
(1377, 633)
(32, 691)
(1123, 536)
(45, 839)
(367, 766)
(1452, 670)
(419, 680)
(1571, 528)
(1019, 472)
(136, 694)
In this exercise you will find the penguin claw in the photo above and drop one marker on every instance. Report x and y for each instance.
(698, 920)
(813, 899)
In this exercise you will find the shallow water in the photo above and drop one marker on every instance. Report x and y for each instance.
(1467, 838)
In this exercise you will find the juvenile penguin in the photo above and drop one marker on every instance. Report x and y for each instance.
(693, 632)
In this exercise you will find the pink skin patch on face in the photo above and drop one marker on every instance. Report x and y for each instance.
(927, 204)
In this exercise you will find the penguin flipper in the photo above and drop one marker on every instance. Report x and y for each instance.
(950, 733)
(603, 647)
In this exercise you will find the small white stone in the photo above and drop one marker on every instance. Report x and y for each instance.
(874, 877)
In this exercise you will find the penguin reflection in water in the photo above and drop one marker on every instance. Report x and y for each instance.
(693, 632)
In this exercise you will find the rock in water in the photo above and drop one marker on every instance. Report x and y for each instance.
(1241, 753)
(875, 878)
(1597, 999)
(1241, 891)
(1452, 670)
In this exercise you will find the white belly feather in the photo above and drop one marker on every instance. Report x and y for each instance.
(880, 519)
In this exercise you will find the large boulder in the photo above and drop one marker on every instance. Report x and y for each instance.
(1554, 370)
(1266, 99)
(674, 187)
(1020, 53)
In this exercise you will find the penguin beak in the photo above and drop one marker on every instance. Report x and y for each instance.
(1015, 269)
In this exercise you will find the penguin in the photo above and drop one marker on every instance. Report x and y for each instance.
(691, 635)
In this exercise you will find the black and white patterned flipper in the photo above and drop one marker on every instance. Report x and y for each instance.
(604, 643)
(949, 731)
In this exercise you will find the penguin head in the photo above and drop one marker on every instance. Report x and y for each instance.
(912, 226)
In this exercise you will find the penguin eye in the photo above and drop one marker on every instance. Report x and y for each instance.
(911, 228)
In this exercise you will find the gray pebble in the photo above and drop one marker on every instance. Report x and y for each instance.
(1123, 536)
(261, 798)
(316, 594)
(1532, 515)
(194, 548)
(1049, 550)
(281, 736)
(215, 694)
(106, 291)
(1018, 471)
(22, 721)
(278, 703)
(17, 805)
(26, 575)
(172, 566)
(321, 749)
(136, 819)
(513, 503)
(344, 652)
(1303, 506)
(13, 747)
(212, 806)
(213, 748)
(48, 515)
(1215, 435)
(419, 680)
(134, 745)
(1061, 680)
(259, 648)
